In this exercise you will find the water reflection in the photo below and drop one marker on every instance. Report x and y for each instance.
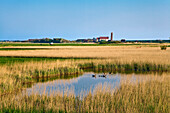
(84, 83)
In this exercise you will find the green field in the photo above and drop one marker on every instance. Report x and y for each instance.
(67, 44)
(12, 60)
(8, 49)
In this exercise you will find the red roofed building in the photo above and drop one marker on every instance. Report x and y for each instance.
(102, 39)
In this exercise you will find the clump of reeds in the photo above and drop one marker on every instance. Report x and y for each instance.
(163, 47)
(144, 96)
(65, 71)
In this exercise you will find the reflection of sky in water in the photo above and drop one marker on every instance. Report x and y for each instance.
(83, 83)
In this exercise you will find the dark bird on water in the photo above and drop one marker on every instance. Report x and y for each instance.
(94, 75)
(104, 75)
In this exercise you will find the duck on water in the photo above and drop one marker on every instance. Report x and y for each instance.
(94, 75)
(104, 75)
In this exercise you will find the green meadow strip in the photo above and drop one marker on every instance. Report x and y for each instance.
(67, 44)
(21, 59)
(12, 49)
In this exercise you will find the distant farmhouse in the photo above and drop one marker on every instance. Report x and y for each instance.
(99, 39)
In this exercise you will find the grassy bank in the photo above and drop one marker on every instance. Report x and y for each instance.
(136, 97)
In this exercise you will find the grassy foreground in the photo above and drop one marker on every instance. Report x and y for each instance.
(136, 97)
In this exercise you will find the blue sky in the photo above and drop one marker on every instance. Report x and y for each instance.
(72, 19)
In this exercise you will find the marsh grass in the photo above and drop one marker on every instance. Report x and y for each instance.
(15, 75)
(125, 67)
(149, 96)
(144, 96)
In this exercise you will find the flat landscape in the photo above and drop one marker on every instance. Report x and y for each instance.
(118, 78)
(84, 56)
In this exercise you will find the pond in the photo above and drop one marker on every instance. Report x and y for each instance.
(83, 83)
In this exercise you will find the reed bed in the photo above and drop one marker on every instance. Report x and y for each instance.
(144, 96)
(113, 67)
(15, 75)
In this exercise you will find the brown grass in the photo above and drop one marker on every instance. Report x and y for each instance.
(144, 97)
(12, 76)
(146, 54)
(130, 97)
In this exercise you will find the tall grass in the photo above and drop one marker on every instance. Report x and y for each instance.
(144, 96)
(140, 97)
(125, 67)
(14, 76)
(126, 54)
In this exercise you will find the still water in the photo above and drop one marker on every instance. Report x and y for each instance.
(83, 83)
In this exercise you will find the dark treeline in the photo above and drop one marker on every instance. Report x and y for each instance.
(149, 41)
